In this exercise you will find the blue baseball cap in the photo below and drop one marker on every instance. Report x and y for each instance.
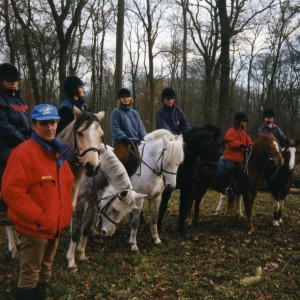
(44, 112)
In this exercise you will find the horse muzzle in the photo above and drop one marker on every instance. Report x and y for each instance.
(91, 170)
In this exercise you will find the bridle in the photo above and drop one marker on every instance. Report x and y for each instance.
(161, 157)
(77, 153)
(103, 211)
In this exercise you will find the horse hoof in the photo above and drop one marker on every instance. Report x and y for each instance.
(217, 213)
(280, 221)
(134, 248)
(251, 231)
(275, 223)
(73, 269)
(157, 242)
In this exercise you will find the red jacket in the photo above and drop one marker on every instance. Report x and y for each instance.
(36, 191)
(234, 138)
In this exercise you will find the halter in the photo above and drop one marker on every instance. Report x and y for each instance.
(108, 204)
(83, 153)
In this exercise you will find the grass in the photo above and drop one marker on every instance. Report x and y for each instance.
(209, 263)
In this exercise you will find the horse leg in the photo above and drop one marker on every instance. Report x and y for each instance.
(81, 248)
(153, 209)
(71, 256)
(183, 207)
(12, 247)
(238, 206)
(134, 222)
(280, 212)
(165, 197)
(248, 209)
(198, 198)
(276, 208)
(77, 219)
(220, 204)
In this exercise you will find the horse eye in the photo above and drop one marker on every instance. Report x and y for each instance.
(79, 133)
(123, 193)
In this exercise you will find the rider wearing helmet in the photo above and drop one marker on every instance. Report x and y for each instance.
(269, 127)
(127, 131)
(237, 143)
(14, 119)
(170, 116)
(74, 91)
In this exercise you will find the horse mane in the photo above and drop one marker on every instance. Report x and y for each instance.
(86, 118)
(112, 166)
(198, 137)
(159, 133)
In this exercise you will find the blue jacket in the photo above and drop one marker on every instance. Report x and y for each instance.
(172, 119)
(65, 111)
(276, 131)
(14, 126)
(126, 123)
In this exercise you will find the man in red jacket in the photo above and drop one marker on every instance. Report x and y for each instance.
(36, 186)
(237, 143)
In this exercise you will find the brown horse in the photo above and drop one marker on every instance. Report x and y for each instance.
(264, 149)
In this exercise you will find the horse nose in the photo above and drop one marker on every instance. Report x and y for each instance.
(103, 232)
(169, 188)
(90, 170)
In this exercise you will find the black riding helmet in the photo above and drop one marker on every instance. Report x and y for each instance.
(269, 113)
(70, 84)
(168, 93)
(239, 117)
(9, 72)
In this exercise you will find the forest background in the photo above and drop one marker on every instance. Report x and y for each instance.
(220, 56)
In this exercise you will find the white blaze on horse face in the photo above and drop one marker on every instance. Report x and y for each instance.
(292, 161)
(277, 157)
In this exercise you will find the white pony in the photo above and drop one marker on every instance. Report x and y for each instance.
(84, 135)
(161, 155)
(110, 191)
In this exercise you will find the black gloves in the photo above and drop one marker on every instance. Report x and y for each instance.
(246, 147)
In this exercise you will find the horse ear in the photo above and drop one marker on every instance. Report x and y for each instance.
(100, 115)
(77, 111)
(179, 138)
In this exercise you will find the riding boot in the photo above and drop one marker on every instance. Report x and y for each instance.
(24, 294)
(40, 291)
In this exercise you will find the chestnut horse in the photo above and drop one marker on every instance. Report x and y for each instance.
(264, 149)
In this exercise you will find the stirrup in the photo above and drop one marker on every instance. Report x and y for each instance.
(229, 191)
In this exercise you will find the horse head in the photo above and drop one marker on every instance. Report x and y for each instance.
(267, 146)
(87, 139)
(114, 207)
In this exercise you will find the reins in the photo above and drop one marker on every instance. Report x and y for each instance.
(152, 169)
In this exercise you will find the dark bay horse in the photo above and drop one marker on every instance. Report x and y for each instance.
(264, 150)
(202, 149)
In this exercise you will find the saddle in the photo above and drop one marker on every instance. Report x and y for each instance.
(129, 156)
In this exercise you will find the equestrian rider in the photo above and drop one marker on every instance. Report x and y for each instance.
(171, 116)
(14, 120)
(237, 144)
(269, 127)
(74, 91)
(127, 130)
(37, 185)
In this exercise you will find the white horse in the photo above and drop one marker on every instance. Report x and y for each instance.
(161, 155)
(110, 192)
(84, 134)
